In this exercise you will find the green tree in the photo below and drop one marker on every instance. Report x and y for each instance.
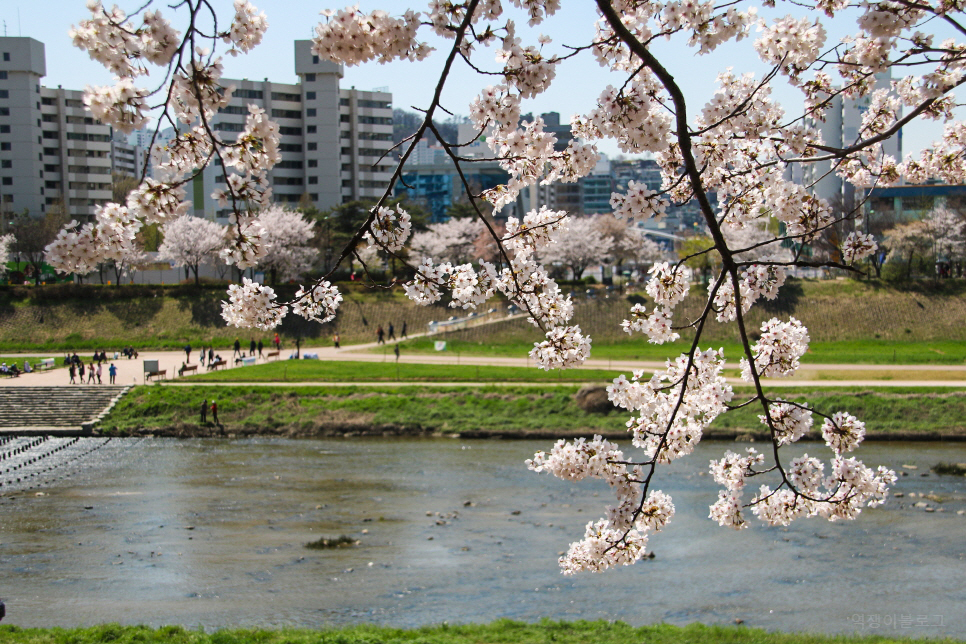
(703, 263)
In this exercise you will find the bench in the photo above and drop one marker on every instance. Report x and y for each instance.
(161, 373)
(186, 368)
(271, 354)
(217, 363)
(47, 363)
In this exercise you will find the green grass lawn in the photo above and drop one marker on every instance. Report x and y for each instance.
(332, 371)
(498, 632)
(947, 352)
(502, 409)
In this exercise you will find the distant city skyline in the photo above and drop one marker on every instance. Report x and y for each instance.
(412, 83)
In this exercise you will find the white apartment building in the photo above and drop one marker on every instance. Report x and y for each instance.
(843, 118)
(51, 148)
(332, 140)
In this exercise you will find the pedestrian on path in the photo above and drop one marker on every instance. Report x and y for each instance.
(380, 335)
(237, 352)
(402, 333)
(201, 358)
(112, 372)
(251, 347)
(99, 372)
(214, 412)
(278, 343)
(204, 412)
(90, 373)
(73, 374)
(187, 353)
(392, 332)
(335, 339)
(260, 346)
(80, 371)
(211, 356)
(395, 349)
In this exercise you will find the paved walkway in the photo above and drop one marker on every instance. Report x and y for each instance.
(131, 372)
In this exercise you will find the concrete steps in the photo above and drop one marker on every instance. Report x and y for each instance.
(72, 407)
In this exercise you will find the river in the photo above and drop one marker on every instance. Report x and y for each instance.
(212, 533)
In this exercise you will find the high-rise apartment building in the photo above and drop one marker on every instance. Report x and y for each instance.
(333, 140)
(843, 119)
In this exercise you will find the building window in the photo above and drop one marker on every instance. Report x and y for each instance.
(310, 129)
(6, 163)
(4, 93)
(310, 96)
(8, 181)
(290, 131)
(314, 196)
(313, 179)
(3, 75)
(6, 56)
(5, 145)
(312, 145)
(310, 111)
(315, 59)
(313, 163)
(4, 129)
(310, 78)
(4, 111)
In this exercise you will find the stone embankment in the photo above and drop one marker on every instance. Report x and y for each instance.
(63, 411)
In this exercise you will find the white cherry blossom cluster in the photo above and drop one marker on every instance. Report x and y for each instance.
(789, 422)
(843, 432)
(564, 347)
(252, 306)
(759, 280)
(668, 284)
(672, 415)
(857, 247)
(352, 37)
(319, 303)
(632, 115)
(247, 28)
(79, 249)
(471, 288)
(778, 350)
(535, 231)
(791, 44)
(658, 325)
(524, 67)
(638, 202)
(243, 243)
(389, 229)
(121, 105)
(111, 39)
(423, 289)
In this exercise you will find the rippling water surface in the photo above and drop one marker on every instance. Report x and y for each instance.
(212, 533)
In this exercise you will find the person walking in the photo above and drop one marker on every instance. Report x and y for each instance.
(80, 372)
(237, 352)
(402, 332)
(395, 349)
(187, 353)
(73, 374)
(379, 335)
(211, 355)
(260, 346)
(90, 373)
(99, 372)
(201, 358)
(204, 412)
(278, 343)
(251, 348)
(335, 339)
(214, 412)
(392, 332)
(112, 373)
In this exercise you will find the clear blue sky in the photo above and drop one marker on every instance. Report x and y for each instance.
(578, 82)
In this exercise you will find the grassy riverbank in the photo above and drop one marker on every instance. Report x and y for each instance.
(499, 632)
(391, 371)
(849, 322)
(512, 410)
